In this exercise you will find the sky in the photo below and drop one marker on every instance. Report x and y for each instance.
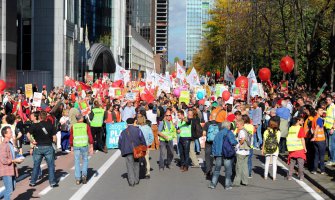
(177, 29)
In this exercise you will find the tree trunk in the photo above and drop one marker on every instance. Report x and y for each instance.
(296, 61)
(332, 51)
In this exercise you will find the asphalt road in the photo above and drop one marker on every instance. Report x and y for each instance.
(107, 173)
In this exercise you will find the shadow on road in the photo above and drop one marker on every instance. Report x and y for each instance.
(27, 195)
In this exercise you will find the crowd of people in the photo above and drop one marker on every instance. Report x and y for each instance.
(290, 121)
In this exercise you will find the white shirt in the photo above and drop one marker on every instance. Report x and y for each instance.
(151, 117)
(241, 134)
(204, 114)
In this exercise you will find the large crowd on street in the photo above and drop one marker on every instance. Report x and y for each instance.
(292, 123)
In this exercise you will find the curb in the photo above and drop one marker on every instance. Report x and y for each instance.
(315, 183)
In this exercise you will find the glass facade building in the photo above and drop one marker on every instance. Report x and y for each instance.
(196, 17)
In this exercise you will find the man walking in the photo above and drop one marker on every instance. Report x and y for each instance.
(81, 142)
(167, 132)
(97, 120)
(129, 138)
(44, 134)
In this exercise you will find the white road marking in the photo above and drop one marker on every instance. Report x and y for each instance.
(308, 189)
(89, 157)
(47, 189)
(84, 189)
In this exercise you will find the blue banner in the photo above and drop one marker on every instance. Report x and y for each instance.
(113, 131)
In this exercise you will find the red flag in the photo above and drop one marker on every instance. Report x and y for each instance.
(69, 82)
(20, 112)
(147, 96)
(83, 86)
(118, 83)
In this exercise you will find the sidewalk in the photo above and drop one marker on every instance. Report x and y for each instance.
(325, 183)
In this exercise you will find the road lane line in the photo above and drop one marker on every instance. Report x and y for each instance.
(306, 187)
(84, 189)
(47, 189)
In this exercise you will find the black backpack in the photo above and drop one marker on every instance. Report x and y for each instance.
(271, 143)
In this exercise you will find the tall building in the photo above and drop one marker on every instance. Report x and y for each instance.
(139, 55)
(67, 37)
(8, 42)
(196, 17)
(162, 16)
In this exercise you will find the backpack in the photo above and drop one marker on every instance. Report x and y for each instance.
(197, 133)
(248, 138)
(213, 129)
(228, 150)
(271, 143)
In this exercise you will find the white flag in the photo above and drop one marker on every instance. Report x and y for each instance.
(193, 78)
(239, 74)
(163, 83)
(228, 76)
(252, 76)
(87, 42)
(181, 74)
(122, 74)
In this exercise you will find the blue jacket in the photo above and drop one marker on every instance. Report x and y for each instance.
(129, 138)
(148, 135)
(218, 141)
(283, 113)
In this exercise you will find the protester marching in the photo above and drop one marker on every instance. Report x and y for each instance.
(178, 116)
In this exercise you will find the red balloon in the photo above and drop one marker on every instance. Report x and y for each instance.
(242, 82)
(225, 95)
(287, 64)
(174, 74)
(208, 73)
(2, 85)
(218, 74)
(264, 74)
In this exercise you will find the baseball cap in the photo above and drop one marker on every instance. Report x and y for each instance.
(215, 104)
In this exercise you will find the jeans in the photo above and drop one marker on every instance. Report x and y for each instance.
(251, 153)
(184, 152)
(65, 137)
(165, 151)
(48, 153)
(332, 147)
(178, 138)
(208, 158)
(9, 183)
(228, 165)
(327, 134)
(282, 145)
(197, 146)
(241, 170)
(258, 141)
(133, 169)
(319, 156)
(83, 153)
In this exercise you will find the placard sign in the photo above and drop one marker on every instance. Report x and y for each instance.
(113, 131)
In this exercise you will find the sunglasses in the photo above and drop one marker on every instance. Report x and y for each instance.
(168, 115)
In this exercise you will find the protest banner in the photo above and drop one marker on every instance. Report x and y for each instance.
(254, 90)
(37, 99)
(240, 93)
(130, 96)
(115, 93)
(184, 97)
(28, 89)
(113, 131)
(84, 108)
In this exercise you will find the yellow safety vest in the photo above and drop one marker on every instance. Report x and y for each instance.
(80, 137)
(170, 133)
(98, 117)
(329, 120)
(292, 141)
(185, 130)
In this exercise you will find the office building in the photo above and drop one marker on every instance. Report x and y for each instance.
(8, 39)
(196, 17)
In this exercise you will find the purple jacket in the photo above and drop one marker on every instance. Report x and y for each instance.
(129, 138)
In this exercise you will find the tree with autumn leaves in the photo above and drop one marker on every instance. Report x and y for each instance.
(258, 33)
